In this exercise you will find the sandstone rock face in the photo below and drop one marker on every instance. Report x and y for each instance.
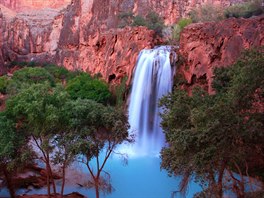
(20, 5)
(106, 11)
(210, 45)
(84, 37)
(171, 11)
(1, 44)
(74, 40)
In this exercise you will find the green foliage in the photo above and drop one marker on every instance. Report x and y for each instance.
(4, 81)
(245, 10)
(20, 64)
(8, 139)
(152, 21)
(206, 13)
(120, 91)
(126, 18)
(27, 76)
(99, 129)
(184, 22)
(85, 87)
(209, 135)
(54, 116)
(13, 150)
(209, 12)
(139, 21)
(59, 73)
(177, 28)
(39, 106)
(32, 75)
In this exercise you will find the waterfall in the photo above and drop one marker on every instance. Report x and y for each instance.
(153, 78)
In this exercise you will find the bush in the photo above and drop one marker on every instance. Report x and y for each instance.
(85, 87)
(245, 10)
(59, 73)
(120, 91)
(126, 18)
(151, 21)
(3, 84)
(177, 28)
(206, 13)
(139, 21)
(154, 22)
(32, 75)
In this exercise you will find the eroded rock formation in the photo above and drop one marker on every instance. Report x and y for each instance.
(209, 45)
(75, 40)
(20, 5)
(85, 37)
(1, 44)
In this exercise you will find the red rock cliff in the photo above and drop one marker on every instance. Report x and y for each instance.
(84, 37)
(20, 5)
(1, 45)
(209, 45)
(75, 40)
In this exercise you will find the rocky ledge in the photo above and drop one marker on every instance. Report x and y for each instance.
(210, 45)
(82, 37)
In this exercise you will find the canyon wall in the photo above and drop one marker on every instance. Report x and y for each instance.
(20, 5)
(1, 45)
(107, 11)
(73, 39)
(210, 45)
(84, 37)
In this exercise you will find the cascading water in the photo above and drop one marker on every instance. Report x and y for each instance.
(142, 178)
(152, 79)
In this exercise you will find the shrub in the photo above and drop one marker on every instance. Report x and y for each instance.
(3, 84)
(59, 73)
(120, 91)
(152, 21)
(85, 87)
(139, 21)
(126, 18)
(155, 22)
(32, 75)
(177, 28)
(245, 10)
(206, 13)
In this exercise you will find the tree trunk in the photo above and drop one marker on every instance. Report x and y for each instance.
(96, 183)
(48, 179)
(52, 180)
(63, 179)
(9, 183)
(220, 180)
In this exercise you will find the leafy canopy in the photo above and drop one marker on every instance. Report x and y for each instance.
(85, 87)
(209, 135)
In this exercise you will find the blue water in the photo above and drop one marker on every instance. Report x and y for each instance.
(140, 178)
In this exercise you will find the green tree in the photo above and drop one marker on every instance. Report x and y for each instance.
(210, 136)
(99, 130)
(85, 87)
(3, 84)
(27, 76)
(177, 28)
(39, 108)
(13, 150)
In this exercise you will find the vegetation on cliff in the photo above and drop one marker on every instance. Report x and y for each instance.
(218, 139)
(152, 21)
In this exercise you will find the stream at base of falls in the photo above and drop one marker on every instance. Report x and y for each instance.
(140, 178)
